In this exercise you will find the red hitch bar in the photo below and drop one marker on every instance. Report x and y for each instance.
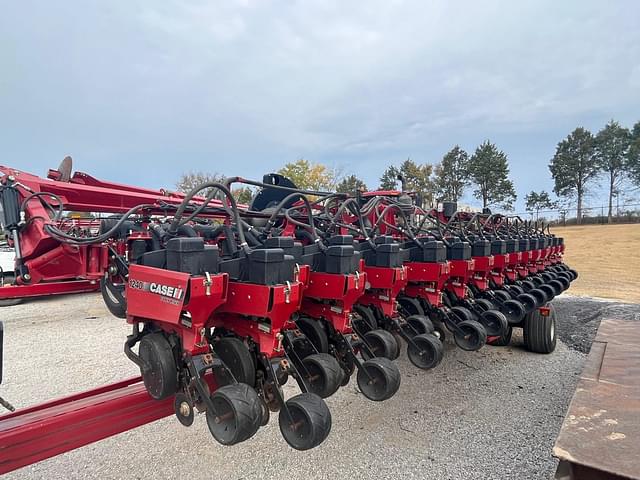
(36, 433)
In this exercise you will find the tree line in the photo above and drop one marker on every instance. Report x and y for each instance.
(582, 159)
(579, 161)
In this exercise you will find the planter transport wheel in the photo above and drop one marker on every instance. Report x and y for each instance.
(540, 331)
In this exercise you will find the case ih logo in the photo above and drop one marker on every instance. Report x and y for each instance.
(157, 288)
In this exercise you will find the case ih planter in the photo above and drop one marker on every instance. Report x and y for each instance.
(228, 302)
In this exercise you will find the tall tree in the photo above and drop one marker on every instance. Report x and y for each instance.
(415, 178)
(351, 185)
(451, 175)
(189, 180)
(612, 148)
(537, 201)
(574, 167)
(389, 178)
(489, 171)
(633, 155)
(310, 176)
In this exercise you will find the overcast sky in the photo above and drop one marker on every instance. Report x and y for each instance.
(140, 91)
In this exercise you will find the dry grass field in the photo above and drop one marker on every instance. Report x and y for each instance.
(607, 258)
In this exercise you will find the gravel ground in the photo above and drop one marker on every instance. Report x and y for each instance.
(489, 414)
(581, 318)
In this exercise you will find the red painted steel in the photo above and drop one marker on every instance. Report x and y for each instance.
(34, 434)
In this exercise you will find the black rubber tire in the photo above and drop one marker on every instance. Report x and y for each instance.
(387, 376)
(514, 311)
(325, 372)
(116, 307)
(540, 296)
(367, 318)
(494, 322)
(528, 301)
(537, 281)
(504, 339)
(381, 343)
(549, 290)
(161, 380)
(573, 273)
(312, 418)
(484, 304)
(315, 332)
(462, 314)
(501, 296)
(410, 306)
(237, 357)
(540, 333)
(528, 285)
(473, 338)
(440, 331)
(243, 407)
(566, 283)
(547, 276)
(419, 325)
(429, 351)
(514, 290)
(557, 286)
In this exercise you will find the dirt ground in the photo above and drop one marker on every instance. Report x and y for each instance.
(607, 257)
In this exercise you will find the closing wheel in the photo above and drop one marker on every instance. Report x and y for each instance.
(367, 320)
(494, 322)
(461, 314)
(381, 343)
(483, 304)
(237, 357)
(548, 290)
(574, 273)
(314, 331)
(528, 285)
(502, 296)
(305, 421)
(547, 276)
(419, 325)
(566, 283)
(410, 306)
(557, 286)
(540, 296)
(471, 336)
(378, 379)
(515, 290)
(440, 331)
(237, 413)
(537, 280)
(514, 311)
(324, 374)
(504, 339)
(540, 331)
(426, 351)
(528, 301)
(161, 377)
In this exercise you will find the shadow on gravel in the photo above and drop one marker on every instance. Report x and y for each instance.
(580, 317)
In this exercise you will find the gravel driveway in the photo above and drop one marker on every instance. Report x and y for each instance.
(488, 414)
